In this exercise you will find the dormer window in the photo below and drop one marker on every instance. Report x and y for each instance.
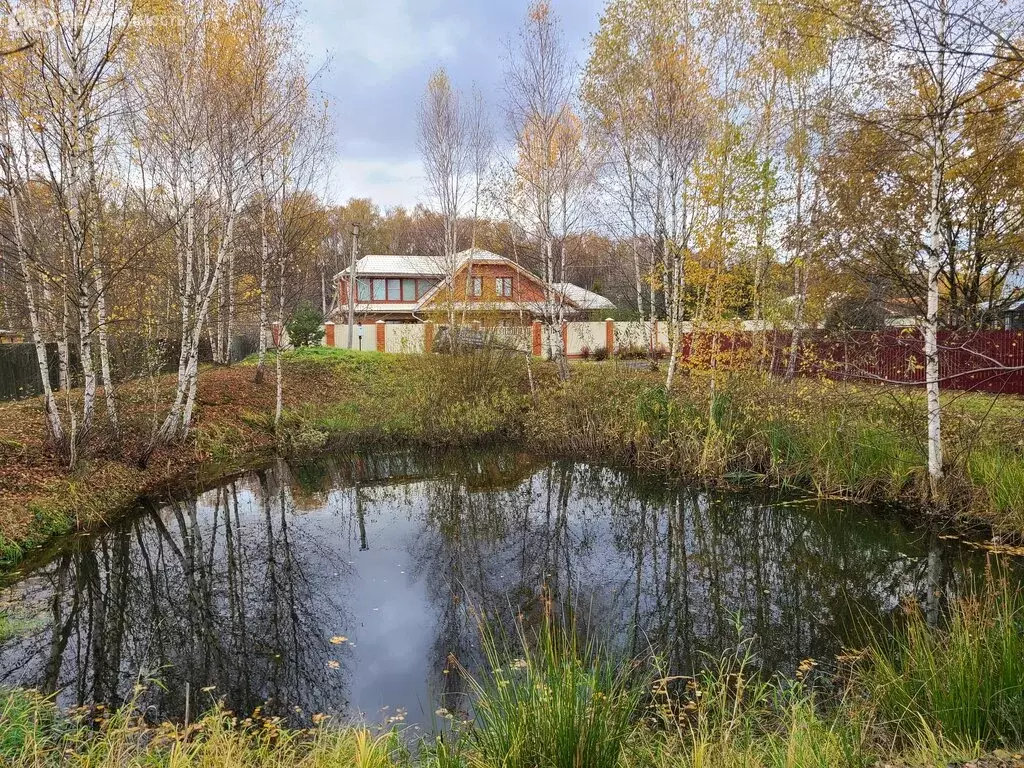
(478, 286)
(503, 286)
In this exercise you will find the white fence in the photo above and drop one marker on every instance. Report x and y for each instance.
(406, 338)
(581, 339)
(364, 336)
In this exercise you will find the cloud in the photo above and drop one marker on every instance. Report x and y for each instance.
(380, 55)
(379, 39)
(388, 182)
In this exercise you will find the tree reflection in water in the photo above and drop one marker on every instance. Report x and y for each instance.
(243, 586)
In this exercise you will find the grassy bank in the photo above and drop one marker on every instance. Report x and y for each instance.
(925, 697)
(861, 442)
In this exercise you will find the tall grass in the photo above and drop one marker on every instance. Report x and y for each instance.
(27, 723)
(924, 696)
(999, 472)
(32, 735)
(562, 704)
(730, 715)
(966, 679)
(835, 439)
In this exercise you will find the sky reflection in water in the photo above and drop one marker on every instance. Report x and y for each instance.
(391, 556)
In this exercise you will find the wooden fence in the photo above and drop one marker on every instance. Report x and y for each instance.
(19, 369)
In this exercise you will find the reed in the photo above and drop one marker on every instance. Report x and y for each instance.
(561, 703)
(965, 679)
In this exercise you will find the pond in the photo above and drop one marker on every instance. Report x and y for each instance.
(349, 585)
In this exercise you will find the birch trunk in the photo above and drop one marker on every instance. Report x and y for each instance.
(675, 319)
(278, 373)
(105, 367)
(74, 156)
(800, 300)
(634, 230)
(279, 395)
(101, 297)
(169, 429)
(53, 419)
(207, 296)
(85, 347)
(934, 260)
(264, 283)
(553, 311)
(678, 245)
(931, 327)
(229, 326)
(63, 351)
(799, 275)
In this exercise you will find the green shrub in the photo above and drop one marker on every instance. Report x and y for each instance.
(305, 327)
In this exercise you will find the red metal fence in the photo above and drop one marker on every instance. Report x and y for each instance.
(985, 361)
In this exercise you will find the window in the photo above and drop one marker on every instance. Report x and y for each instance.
(405, 289)
(503, 286)
(478, 286)
(408, 290)
(394, 289)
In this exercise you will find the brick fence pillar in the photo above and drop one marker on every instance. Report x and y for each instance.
(275, 334)
(329, 334)
(428, 336)
(381, 337)
(538, 347)
(609, 336)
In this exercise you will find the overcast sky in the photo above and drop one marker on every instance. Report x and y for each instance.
(379, 55)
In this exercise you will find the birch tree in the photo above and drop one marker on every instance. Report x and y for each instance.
(648, 95)
(58, 112)
(481, 142)
(269, 68)
(445, 143)
(301, 165)
(199, 139)
(613, 96)
(811, 69)
(937, 54)
(550, 167)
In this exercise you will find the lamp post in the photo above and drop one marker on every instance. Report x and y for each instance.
(352, 284)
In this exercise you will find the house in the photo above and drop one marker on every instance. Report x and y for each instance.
(1013, 316)
(583, 299)
(479, 284)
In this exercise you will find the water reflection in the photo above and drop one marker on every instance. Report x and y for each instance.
(344, 585)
